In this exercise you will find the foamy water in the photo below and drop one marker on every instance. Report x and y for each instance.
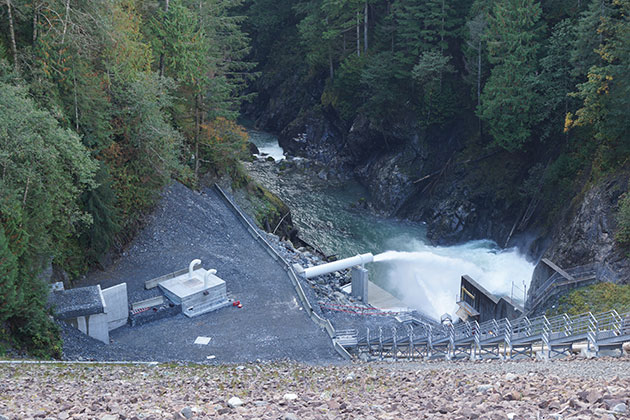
(428, 278)
(267, 145)
(425, 277)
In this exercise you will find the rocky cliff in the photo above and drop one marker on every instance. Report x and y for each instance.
(586, 233)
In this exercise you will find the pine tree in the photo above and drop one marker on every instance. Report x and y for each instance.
(509, 100)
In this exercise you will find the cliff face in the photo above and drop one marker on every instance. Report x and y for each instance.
(586, 234)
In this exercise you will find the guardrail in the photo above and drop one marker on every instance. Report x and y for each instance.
(582, 274)
(504, 338)
(321, 322)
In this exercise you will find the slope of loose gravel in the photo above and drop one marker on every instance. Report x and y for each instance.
(594, 389)
(188, 225)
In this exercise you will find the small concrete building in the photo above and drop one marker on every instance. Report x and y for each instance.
(478, 304)
(92, 311)
(198, 291)
(83, 308)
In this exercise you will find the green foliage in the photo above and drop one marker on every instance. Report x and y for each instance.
(44, 170)
(597, 298)
(8, 280)
(509, 101)
(225, 142)
(343, 93)
(622, 236)
(147, 149)
(605, 94)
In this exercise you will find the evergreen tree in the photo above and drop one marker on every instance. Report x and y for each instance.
(605, 95)
(8, 280)
(509, 101)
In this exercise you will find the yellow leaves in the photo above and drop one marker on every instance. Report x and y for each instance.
(225, 139)
(569, 122)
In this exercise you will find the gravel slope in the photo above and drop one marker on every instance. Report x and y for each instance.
(188, 225)
(495, 390)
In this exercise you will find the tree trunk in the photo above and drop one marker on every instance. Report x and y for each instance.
(65, 22)
(197, 127)
(479, 73)
(479, 80)
(35, 20)
(330, 65)
(12, 36)
(76, 102)
(162, 53)
(358, 35)
(365, 28)
(442, 30)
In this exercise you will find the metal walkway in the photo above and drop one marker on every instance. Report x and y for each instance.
(555, 336)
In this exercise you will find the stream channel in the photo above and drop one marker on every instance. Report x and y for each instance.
(333, 218)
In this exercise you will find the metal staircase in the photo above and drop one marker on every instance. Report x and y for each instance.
(505, 339)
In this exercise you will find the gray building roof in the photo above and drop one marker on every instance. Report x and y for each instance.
(77, 302)
(482, 289)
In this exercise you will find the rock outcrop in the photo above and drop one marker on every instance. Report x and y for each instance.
(586, 234)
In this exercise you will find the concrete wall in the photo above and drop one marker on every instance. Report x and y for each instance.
(95, 326)
(116, 306)
(360, 283)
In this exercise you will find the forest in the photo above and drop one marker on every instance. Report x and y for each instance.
(104, 102)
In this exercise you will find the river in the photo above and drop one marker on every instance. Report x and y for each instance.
(333, 218)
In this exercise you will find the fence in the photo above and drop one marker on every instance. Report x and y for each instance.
(321, 322)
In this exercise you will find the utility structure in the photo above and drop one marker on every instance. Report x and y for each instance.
(359, 272)
(503, 338)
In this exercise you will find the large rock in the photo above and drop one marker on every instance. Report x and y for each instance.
(586, 234)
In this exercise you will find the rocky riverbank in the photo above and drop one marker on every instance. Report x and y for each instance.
(432, 390)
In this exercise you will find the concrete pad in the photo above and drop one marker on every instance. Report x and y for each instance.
(382, 299)
(202, 340)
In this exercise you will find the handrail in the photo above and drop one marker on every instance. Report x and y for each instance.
(321, 322)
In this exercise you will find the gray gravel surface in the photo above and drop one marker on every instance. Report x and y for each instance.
(188, 225)
(497, 391)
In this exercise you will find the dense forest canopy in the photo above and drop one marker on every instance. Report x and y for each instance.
(105, 101)
(102, 103)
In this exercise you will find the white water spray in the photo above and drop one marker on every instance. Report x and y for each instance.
(428, 277)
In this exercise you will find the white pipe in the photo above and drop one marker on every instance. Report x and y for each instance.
(330, 267)
(206, 279)
(191, 267)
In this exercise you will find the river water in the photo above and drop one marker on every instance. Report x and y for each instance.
(334, 219)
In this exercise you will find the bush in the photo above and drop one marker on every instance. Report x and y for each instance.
(623, 220)
(597, 298)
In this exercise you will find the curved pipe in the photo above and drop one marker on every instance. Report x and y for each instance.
(207, 276)
(330, 267)
(191, 267)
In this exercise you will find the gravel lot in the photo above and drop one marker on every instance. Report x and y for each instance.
(188, 225)
(433, 390)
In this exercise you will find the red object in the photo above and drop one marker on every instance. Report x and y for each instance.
(234, 303)
(239, 305)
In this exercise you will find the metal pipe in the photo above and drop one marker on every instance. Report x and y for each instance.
(331, 267)
(191, 267)
(206, 279)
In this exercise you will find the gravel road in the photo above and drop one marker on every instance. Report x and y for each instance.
(188, 225)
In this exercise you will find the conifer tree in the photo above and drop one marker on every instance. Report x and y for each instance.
(509, 101)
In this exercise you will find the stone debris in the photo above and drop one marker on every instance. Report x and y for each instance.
(290, 397)
(235, 402)
(423, 390)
